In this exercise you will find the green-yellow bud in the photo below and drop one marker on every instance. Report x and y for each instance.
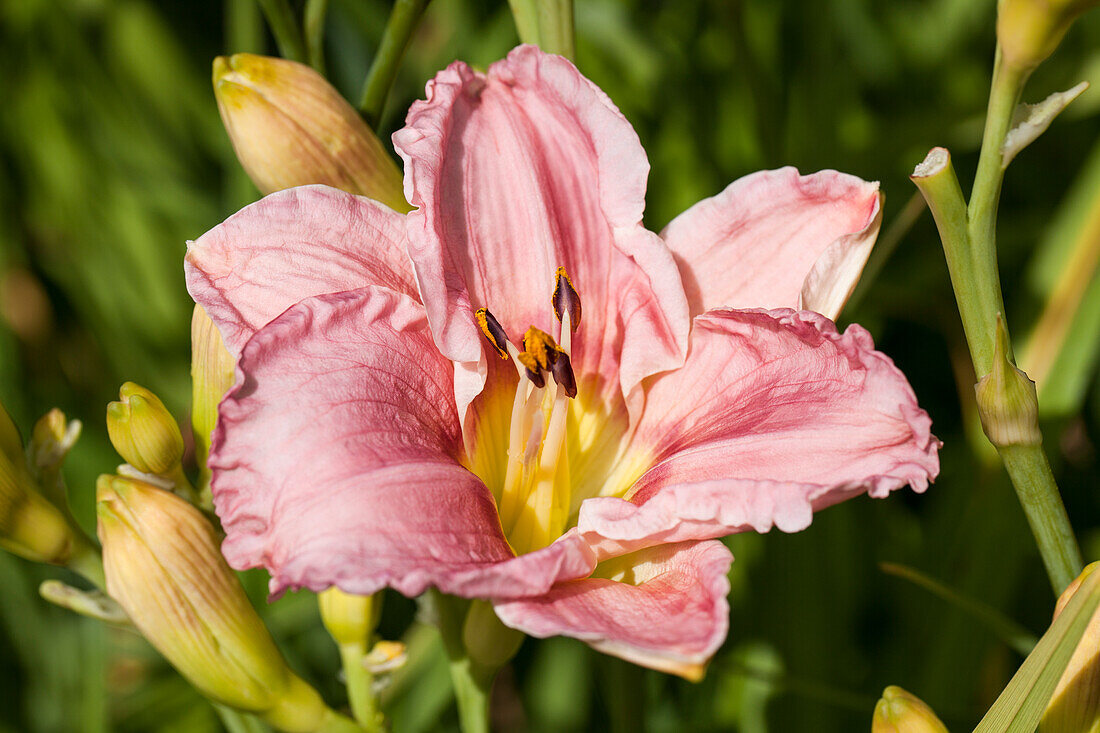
(143, 431)
(489, 642)
(212, 374)
(163, 566)
(349, 619)
(1030, 30)
(290, 127)
(30, 526)
(1075, 705)
(1007, 404)
(899, 711)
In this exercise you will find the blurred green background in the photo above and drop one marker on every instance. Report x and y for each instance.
(112, 156)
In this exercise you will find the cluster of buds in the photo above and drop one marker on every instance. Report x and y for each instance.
(31, 526)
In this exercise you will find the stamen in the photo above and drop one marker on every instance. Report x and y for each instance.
(563, 374)
(493, 331)
(566, 300)
(532, 367)
(542, 348)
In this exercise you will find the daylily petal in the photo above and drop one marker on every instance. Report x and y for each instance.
(291, 245)
(663, 607)
(775, 239)
(773, 416)
(515, 173)
(336, 461)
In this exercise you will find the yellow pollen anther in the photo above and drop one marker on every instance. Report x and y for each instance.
(566, 299)
(493, 331)
(541, 347)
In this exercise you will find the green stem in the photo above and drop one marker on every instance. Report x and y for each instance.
(86, 561)
(1035, 487)
(238, 722)
(547, 24)
(360, 685)
(244, 30)
(472, 682)
(981, 214)
(970, 247)
(399, 29)
(284, 26)
(315, 33)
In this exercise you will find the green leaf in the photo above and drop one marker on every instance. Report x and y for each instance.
(1021, 705)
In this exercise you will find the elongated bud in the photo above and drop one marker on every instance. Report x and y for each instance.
(899, 711)
(291, 128)
(30, 526)
(1007, 403)
(1030, 30)
(349, 619)
(143, 431)
(212, 374)
(1075, 705)
(164, 568)
(489, 642)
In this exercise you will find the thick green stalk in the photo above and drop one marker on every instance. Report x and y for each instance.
(399, 29)
(546, 23)
(284, 26)
(360, 685)
(1029, 469)
(472, 681)
(315, 33)
(1004, 96)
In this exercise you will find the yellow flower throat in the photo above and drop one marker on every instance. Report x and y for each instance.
(536, 492)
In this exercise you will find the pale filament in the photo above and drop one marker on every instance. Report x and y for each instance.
(535, 496)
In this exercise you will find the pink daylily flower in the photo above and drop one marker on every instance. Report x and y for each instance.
(375, 436)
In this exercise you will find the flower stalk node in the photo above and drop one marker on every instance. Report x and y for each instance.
(1007, 402)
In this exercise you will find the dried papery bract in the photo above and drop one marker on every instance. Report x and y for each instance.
(291, 128)
(164, 568)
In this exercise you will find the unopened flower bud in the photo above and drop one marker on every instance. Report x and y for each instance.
(349, 619)
(143, 431)
(291, 128)
(1075, 705)
(489, 642)
(1007, 404)
(1030, 30)
(30, 526)
(899, 711)
(164, 568)
(212, 374)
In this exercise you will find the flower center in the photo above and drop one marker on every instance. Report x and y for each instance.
(536, 493)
